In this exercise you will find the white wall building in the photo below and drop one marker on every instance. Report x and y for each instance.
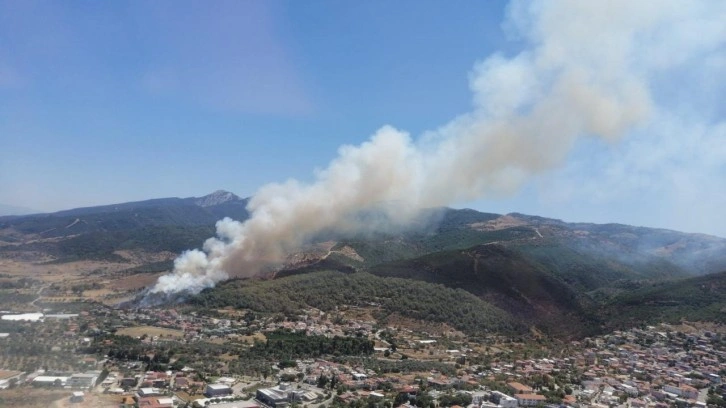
(503, 400)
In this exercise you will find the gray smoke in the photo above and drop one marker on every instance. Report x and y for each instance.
(584, 73)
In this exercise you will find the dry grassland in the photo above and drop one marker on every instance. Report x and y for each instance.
(150, 331)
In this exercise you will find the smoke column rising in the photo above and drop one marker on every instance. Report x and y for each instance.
(584, 73)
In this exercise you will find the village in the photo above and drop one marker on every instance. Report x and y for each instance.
(180, 357)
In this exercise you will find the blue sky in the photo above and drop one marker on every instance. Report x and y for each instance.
(104, 102)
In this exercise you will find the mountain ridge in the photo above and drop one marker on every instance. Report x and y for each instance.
(170, 211)
(625, 247)
(215, 198)
(542, 272)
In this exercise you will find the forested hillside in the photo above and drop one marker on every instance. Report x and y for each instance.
(328, 290)
(700, 298)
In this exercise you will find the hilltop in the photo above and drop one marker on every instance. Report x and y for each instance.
(97, 233)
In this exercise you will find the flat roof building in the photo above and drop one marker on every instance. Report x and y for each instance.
(86, 380)
(149, 392)
(503, 400)
(275, 397)
(530, 400)
(217, 390)
(49, 381)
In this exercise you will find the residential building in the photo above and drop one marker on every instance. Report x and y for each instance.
(518, 388)
(530, 400)
(503, 400)
(155, 402)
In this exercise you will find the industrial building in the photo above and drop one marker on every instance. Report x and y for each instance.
(217, 390)
(275, 397)
(85, 380)
(49, 381)
(282, 395)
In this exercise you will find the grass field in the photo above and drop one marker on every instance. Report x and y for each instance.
(150, 331)
(251, 339)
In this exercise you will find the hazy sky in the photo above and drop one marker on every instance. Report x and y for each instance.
(103, 102)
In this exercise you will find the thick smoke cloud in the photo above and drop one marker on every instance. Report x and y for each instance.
(586, 72)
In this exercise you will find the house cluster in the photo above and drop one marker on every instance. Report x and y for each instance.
(150, 397)
(652, 367)
(198, 327)
(194, 326)
(649, 368)
(151, 389)
(645, 368)
(158, 389)
(319, 324)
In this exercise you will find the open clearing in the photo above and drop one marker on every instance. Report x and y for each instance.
(39, 398)
(150, 331)
(134, 282)
(89, 401)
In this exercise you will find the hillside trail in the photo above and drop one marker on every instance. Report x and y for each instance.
(40, 295)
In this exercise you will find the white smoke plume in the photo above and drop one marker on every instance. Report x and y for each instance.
(585, 72)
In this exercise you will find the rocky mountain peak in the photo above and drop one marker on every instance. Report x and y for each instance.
(216, 198)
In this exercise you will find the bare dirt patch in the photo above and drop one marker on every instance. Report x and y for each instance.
(251, 339)
(228, 357)
(89, 401)
(33, 398)
(503, 222)
(97, 294)
(360, 314)
(37, 267)
(134, 282)
(349, 252)
(143, 257)
(418, 326)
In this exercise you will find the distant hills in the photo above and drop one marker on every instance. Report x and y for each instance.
(563, 278)
(164, 224)
(161, 211)
(6, 209)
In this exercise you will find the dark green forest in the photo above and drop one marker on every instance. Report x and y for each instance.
(327, 290)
